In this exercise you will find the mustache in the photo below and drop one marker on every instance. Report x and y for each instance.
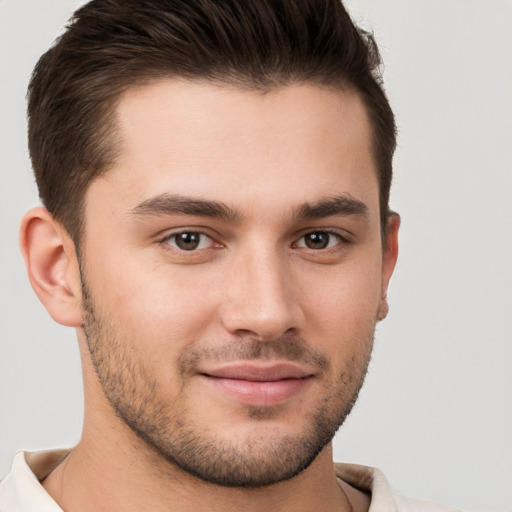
(288, 349)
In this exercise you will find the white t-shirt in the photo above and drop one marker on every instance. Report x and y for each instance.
(21, 491)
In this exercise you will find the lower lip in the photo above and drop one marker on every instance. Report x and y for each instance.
(258, 393)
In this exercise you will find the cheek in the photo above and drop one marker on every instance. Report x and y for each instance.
(158, 305)
(343, 307)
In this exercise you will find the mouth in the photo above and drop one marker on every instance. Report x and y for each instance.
(258, 384)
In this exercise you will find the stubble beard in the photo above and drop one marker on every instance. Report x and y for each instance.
(169, 429)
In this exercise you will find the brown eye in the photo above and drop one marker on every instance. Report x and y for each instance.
(189, 240)
(318, 240)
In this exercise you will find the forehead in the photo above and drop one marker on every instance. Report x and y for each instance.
(298, 142)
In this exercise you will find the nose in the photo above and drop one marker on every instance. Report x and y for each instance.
(261, 299)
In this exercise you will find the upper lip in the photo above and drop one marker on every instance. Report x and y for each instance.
(262, 372)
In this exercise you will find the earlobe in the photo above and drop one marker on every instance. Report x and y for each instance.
(383, 308)
(52, 266)
(389, 257)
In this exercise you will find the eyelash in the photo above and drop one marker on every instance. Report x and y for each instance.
(173, 236)
(332, 234)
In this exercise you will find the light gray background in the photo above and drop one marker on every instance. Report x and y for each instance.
(436, 411)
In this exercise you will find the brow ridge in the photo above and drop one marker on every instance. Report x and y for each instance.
(332, 206)
(169, 204)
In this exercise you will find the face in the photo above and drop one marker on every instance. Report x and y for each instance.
(233, 274)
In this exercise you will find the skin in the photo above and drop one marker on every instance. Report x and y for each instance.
(288, 166)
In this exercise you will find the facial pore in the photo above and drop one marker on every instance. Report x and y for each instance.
(158, 418)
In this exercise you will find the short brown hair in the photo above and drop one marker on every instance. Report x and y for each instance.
(112, 45)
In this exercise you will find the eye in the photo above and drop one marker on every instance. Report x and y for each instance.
(189, 240)
(318, 240)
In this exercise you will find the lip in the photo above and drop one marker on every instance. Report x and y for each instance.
(262, 372)
(257, 384)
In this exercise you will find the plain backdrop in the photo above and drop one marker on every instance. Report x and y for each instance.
(436, 411)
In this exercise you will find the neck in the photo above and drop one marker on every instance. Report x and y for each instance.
(102, 475)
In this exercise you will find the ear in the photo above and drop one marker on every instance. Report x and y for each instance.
(389, 257)
(52, 266)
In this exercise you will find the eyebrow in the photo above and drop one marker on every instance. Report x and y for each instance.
(169, 204)
(339, 205)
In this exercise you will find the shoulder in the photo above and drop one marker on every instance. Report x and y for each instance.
(405, 504)
(383, 497)
(21, 490)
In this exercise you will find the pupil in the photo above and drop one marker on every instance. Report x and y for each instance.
(187, 241)
(317, 240)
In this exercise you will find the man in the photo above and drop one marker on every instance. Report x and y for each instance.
(216, 228)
